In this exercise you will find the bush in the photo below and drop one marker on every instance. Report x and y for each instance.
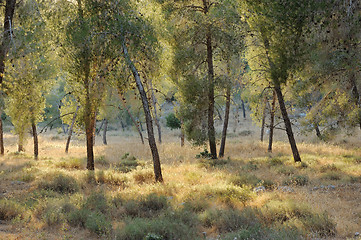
(320, 224)
(286, 170)
(180, 225)
(250, 166)
(208, 162)
(275, 161)
(60, 183)
(98, 223)
(329, 168)
(143, 176)
(233, 194)
(245, 180)
(228, 220)
(297, 181)
(78, 218)
(260, 232)
(127, 163)
(102, 161)
(172, 121)
(71, 163)
(97, 202)
(111, 177)
(10, 210)
(335, 176)
(147, 206)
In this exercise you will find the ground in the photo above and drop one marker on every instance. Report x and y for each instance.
(249, 193)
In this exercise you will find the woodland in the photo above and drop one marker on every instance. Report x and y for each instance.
(180, 119)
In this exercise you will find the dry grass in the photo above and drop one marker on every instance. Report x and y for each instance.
(187, 182)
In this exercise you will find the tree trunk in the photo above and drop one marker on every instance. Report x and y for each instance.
(21, 143)
(100, 128)
(36, 142)
(272, 122)
(148, 117)
(70, 131)
(105, 131)
(4, 49)
(156, 119)
(225, 123)
(132, 118)
(2, 150)
(211, 129)
(291, 138)
(243, 109)
(263, 118)
(356, 96)
(318, 132)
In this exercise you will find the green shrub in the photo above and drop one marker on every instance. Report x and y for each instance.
(268, 184)
(209, 162)
(204, 154)
(101, 160)
(250, 166)
(196, 204)
(98, 223)
(233, 194)
(172, 121)
(180, 225)
(286, 170)
(60, 183)
(78, 218)
(228, 220)
(111, 177)
(320, 224)
(275, 161)
(143, 176)
(260, 232)
(245, 180)
(335, 176)
(146, 206)
(127, 163)
(328, 168)
(97, 202)
(296, 180)
(10, 210)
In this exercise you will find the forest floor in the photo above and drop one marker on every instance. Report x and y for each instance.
(249, 194)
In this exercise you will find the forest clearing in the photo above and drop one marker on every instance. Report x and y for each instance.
(249, 194)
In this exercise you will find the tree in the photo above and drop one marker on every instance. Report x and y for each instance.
(278, 28)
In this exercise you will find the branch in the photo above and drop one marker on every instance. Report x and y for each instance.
(54, 121)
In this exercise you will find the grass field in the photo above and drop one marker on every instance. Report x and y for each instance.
(250, 194)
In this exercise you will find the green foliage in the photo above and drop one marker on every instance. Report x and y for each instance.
(146, 206)
(172, 121)
(244, 179)
(59, 183)
(128, 163)
(71, 163)
(296, 180)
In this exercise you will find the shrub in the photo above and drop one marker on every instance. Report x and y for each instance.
(232, 194)
(208, 162)
(10, 210)
(102, 161)
(172, 121)
(204, 154)
(127, 163)
(196, 204)
(250, 166)
(78, 218)
(320, 224)
(180, 225)
(71, 163)
(98, 223)
(245, 180)
(260, 232)
(228, 220)
(328, 168)
(111, 177)
(97, 202)
(335, 176)
(296, 180)
(275, 161)
(146, 206)
(60, 183)
(286, 170)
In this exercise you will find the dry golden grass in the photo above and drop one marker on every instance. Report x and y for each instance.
(185, 179)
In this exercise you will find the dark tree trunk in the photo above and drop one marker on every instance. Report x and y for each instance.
(272, 122)
(4, 49)
(225, 123)
(2, 150)
(100, 127)
(182, 133)
(156, 120)
(211, 129)
(356, 96)
(263, 118)
(318, 132)
(36, 142)
(70, 131)
(291, 138)
(132, 118)
(105, 131)
(148, 117)
(243, 109)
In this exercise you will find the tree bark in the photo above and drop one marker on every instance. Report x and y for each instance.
(272, 122)
(318, 132)
(148, 117)
(100, 128)
(356, 96)
(4, 49)
(211, 129)
(156, 119)
(35, 138)
(263, 118)
(243, 109)
(182, 133)
(105, 131)
(291, 138)
(225, 123)
(70, 131)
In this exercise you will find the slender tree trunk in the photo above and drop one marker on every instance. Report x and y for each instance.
(263, 118)
(211, 129)
(148, 117)
(291, 138)
(105, 131)
(318, 132)
(156, 119)
(36, 142)
(100, 128)
(70, 131)
(2, 150)
(4, 49)
(21, 142)
(243, 109)
(356, 96)
(225, 123)
(132, 118)
(272, 122)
